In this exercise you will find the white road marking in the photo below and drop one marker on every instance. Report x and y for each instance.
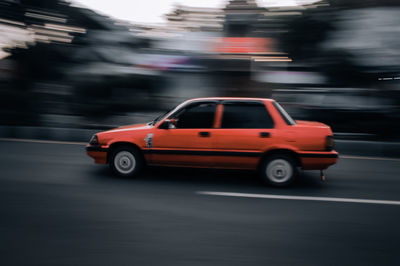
(44, 141)
(369, 158)
(285, 197)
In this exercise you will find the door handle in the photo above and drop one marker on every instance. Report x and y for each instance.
(204, 134)
(265, 135)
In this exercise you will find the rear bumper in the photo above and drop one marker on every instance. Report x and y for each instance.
(98, 153)
(317, 160)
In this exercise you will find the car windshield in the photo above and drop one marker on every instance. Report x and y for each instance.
(160, 117)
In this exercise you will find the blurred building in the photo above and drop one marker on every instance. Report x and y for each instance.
(195, 19)
(344, 67)
(72, 61)
(334, 61)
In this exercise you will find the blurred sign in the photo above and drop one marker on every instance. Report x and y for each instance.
(244, 45)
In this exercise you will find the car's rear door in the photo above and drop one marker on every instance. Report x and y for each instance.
(246, 129)
(192, 139)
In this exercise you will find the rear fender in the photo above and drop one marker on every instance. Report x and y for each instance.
(281, 149)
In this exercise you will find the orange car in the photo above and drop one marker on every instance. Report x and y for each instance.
(233, 133)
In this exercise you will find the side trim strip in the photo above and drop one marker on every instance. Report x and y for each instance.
(317, 155)
(204, 153)
(214, 153)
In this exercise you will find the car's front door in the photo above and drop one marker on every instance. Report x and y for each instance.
(246, 128)
(191, 139)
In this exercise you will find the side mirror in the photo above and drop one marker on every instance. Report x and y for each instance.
(167, 124)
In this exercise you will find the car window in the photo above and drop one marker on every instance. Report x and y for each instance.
(196, 116)
(246, 115)
(288, 119)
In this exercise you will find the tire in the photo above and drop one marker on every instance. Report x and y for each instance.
(278, 170)
(126, 161)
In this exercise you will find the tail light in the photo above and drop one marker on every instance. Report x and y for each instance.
(329, 143)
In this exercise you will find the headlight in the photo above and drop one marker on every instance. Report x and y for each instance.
(94, 140)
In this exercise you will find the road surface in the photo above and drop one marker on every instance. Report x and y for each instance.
(58, 208)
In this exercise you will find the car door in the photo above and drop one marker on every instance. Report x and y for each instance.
(246, 129)
(190, 140)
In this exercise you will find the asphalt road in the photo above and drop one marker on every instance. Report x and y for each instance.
(58, 208)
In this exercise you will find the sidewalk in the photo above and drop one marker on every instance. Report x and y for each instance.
(344, 147)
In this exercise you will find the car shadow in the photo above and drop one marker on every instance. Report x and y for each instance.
(206, 178)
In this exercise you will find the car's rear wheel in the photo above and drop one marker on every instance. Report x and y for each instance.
(126, 161)
(278, 170)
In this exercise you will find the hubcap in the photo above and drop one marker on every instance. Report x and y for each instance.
(124, 162)
(279, 170)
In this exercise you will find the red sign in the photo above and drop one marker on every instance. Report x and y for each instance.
(242, 45)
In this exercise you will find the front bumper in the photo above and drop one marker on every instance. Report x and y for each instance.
(311, 160)
(98, 153)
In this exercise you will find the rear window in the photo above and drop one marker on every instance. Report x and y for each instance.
(284, 114)
(246, 115)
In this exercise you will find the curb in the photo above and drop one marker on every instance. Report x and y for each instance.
(47, 133)
(348, 147)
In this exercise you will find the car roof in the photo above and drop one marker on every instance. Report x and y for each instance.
(230, 99)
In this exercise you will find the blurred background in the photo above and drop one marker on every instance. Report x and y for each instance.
(63, 64)
(69, 69)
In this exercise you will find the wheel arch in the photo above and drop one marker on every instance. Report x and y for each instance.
(283, 151)
(113, 146)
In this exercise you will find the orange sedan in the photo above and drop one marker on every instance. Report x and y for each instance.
(231, 133)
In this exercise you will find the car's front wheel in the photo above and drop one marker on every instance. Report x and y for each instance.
(278, 170)
(126, 161)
